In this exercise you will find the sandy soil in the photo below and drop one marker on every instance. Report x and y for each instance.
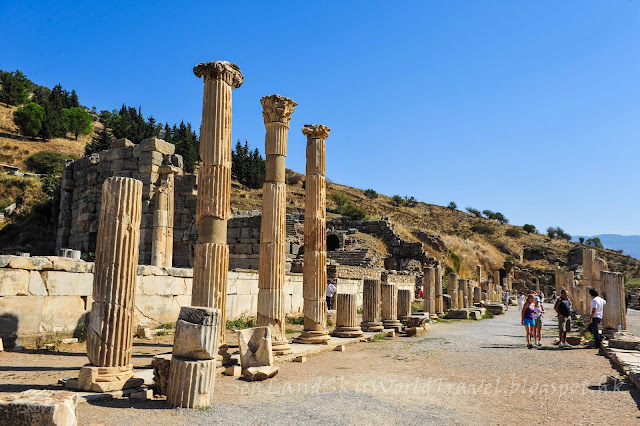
(460, 372)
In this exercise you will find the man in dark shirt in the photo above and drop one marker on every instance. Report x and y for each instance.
(563, 309)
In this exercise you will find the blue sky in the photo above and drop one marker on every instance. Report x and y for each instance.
(527, 108)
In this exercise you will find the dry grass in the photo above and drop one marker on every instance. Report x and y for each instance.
(12, 187)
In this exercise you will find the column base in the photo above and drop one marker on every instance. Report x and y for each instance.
(395, 324)
(345, 332)
(107, 379)
(280, 347)
(371, 326)
(226, 359)
(433, 316)
(313, 337)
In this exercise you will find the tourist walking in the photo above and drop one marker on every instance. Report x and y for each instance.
(506, 300)
(563, 309)
(331, 290)
(527, 319)
(538, 310)
(554, 297)
(521, 300)
(595, 318)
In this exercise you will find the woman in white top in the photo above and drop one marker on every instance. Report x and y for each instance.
(538, 311)
(520, 301)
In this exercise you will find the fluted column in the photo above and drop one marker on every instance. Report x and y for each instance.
(211, 259)
(371, 319)
(439, 304)
(110, 331)
(462, 284)
(429, 289)
(452, 289)
(404, 303)
(276, 111)
(162, 240)
(347, 316)
(390, 306)
(614, 312)
(314, 272)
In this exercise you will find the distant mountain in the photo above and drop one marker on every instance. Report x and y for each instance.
(629, 244)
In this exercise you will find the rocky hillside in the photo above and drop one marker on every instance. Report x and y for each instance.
(447, 234)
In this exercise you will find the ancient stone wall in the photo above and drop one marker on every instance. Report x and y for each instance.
(81, 186)
(47, 296)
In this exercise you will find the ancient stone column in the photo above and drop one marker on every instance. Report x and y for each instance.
(404, 303)
(452, 289)
(390, 306)
(614, 313)
(462, 285)
(477, 295)
(276, 111)
(479, 276)
(371, 320)
(461, 304)
(429, 288)
(110, 331)
(347, 316)
(211, 258)
(439, 304)
(162, 238)
(314, 272)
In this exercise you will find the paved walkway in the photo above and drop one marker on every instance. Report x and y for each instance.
(462, 372)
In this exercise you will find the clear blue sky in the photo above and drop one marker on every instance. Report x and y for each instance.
(530, 108)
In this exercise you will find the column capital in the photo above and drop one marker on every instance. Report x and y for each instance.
(315, 131)
(223, 70)
(277, 109)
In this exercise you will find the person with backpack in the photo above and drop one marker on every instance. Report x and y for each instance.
(563, 309)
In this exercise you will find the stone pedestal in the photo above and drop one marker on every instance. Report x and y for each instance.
(614, 312)
(39, 407)
(255, 347)
(110, 331)
(276, 111)
(347, 316)
(390, 306)
(404, 303)
(191, 383)
(452, 289)
(371, 319)
(211, 260)
(439, 303)
(314, 273)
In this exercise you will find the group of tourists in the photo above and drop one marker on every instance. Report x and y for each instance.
(532, 315)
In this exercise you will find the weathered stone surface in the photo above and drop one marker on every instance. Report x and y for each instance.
(255, 374)
(195, 340)
(371, 319)
(614, 313)
(233, 371)
(574, 340)
(494, 308)
(255, 347)
(414, 331)
(32, 263)
(404, 303)
(107, 379)
(624, 341)
(14, 282)
(416, 320)
(39, 407)
(157, 145)
(60, 283)
(70, 265)
(161, 365)
(191, 383)
(458, 314)
(475, 315)
(36, 285)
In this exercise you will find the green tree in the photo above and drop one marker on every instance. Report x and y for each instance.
(100, 142)
(15, 88)
(48, 162)
(474, 212)
(581, 239)
(452, 205)
(72, 100)
(78, 121)
(247, 166)
(186, 143)
(54, 122)
(528, 228)
(29, 119)
(370, 193)
(397, 200)
(594, 242)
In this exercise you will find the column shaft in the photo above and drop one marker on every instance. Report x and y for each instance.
(347, 316)
(439, 304)
(614, 312)
(371, 319)
(452, 289)
(404, 303)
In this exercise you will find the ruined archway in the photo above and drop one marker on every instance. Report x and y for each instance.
(333, 242)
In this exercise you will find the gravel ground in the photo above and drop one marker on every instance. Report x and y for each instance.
(461, 372)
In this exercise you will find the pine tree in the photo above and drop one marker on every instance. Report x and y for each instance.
(72, 101)
(29, 119)
(15, 88)
(100, 142)
(54, 123)
(78, 121)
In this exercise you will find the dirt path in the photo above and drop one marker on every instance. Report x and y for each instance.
(461, 373)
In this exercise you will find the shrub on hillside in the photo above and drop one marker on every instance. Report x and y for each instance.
(558, 232)
(294, 179)
(397, 200)
(482, 229)
(352, 211)
(48, 162)
(528, 228)
(452, 205)
(410, 201)
(340, 198)
(455, 259)
(513, 233)
(370, 193)
(29, 119)
(594, 242)
(474, 212)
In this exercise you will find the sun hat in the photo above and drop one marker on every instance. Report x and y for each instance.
(536, 299)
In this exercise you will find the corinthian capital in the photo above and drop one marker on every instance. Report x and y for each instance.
(315, 131)
(228, 72)
(277, 109)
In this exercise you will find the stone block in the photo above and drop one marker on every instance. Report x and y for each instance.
(340, 348)
(254, 374)
(142, 395)
(36, 285)
(233, 371)
(143, 333)
(62, 313)
(20, 315)
(107, 379)
(475, 315)
(414, 331)
(39, 407)
(32, 263)
(300, 359)
(160, 309)
(159, 145)
(191, 383)
(162, 285)
(494, 308)
(622, 341)
(458, 314)
(71, 265)
(255, 347)
(161, 365)
(14, 282)
(60, 283)
(196, 334)
(120, 143)
(5, 259)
